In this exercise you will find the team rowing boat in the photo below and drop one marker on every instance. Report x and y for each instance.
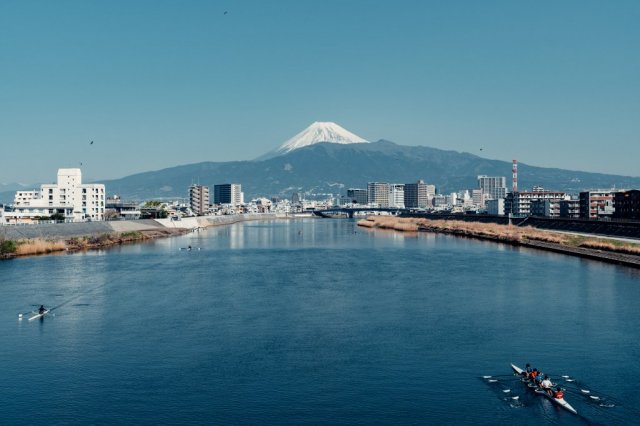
(561, 402)
(38, 315)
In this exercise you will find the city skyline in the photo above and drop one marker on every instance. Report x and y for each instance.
(159, 84)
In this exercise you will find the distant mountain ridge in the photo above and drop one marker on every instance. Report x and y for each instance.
(332, 168)
(329, 168)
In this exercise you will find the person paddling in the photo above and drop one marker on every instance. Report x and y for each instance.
(41, 310)
(546, 383)
(527, 370)
(558, 394)
(538, 379)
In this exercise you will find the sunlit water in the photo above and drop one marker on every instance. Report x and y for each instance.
(315, 321)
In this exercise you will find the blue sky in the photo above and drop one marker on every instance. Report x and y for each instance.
(162, 83)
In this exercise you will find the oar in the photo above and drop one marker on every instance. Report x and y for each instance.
(497, 375)
(21, 314)
(491, 379)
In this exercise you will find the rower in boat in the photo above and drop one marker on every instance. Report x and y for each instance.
(41, 310)
(558, 394)
(538, 379)
(546, 383)
(527, 370)
(533, 374)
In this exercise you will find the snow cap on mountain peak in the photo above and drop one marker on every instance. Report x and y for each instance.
(320, 131)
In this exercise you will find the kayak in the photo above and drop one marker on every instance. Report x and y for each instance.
(38, 315)
(561, 402)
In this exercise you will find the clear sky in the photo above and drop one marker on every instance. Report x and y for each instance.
(161, 83)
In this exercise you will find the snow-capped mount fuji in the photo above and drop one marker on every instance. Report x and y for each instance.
(318, 132)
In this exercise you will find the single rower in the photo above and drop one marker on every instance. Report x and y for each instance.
(42, 310)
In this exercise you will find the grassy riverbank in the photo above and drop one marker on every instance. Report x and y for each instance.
(501, 233)
(10, 248)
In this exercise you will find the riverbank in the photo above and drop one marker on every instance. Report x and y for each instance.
(607, 250)
(30, 240)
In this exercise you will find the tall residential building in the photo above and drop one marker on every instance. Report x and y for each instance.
(494, 186)
(396, 195)
(378, 193)
(228, 193)
(597, 203)
(357, 196)
(199, 199)
(69, 197)
(419, 195)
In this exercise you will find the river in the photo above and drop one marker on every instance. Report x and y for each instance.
(315, 321)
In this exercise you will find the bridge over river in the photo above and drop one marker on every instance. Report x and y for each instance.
(352, 211)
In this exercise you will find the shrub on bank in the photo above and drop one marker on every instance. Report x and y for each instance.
(506, 233)
(132, 235)
(7, 247)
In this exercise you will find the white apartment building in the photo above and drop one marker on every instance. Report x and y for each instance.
(396, 195)
(76, 201)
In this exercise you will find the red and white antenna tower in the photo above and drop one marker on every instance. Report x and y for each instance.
(514, 183)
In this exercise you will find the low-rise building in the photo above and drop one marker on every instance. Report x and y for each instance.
(545, 207)
(519, 203)
(116, 209)
(570, 209)
(597, 203)
(357, 196)
(627, 205)
(495, 207)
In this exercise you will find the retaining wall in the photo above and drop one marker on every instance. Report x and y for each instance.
(53, 231)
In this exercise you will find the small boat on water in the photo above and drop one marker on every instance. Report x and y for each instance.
(37, 315)
(561, 402)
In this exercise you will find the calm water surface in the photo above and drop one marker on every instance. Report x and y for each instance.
(315, 321)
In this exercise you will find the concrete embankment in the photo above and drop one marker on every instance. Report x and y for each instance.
(611, 251)
(52, 231)
(47, 238)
